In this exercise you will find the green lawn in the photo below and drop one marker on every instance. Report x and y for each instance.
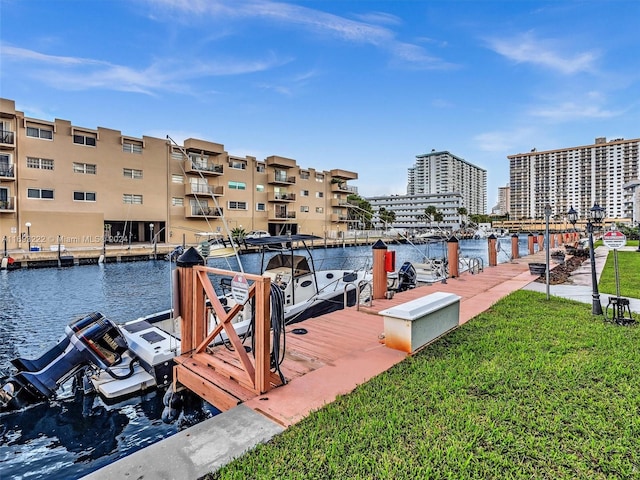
(530, 389)
(629, 276)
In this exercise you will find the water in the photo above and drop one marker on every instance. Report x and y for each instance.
(72, 437)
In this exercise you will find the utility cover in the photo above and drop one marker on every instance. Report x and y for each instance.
(614, 239)
(240, 288)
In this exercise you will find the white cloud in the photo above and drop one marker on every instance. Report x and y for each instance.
(571, 111)
(526, 48)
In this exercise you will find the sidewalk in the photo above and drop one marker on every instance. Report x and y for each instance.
(580, 288)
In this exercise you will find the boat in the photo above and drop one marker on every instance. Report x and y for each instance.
(119, 360)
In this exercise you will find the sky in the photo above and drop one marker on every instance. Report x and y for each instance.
(360, 85)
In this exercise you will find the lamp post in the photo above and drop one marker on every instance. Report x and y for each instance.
(28, 225)
(596, 215)
(547, 214)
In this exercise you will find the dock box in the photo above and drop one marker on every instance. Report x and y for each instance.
(412, 325)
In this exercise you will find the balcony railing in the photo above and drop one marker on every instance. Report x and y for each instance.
(284, 215)
(8, 205)
(206, 168)
(204, 190)
(282, 197)
(203, 211)
(7, 137)
(7, 171)
(283, 179)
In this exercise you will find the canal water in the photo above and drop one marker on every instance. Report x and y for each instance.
(73, 436)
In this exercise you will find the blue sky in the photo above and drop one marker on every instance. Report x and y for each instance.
(360, 85)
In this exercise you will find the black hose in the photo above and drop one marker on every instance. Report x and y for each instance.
(127, 375)
(278, 330)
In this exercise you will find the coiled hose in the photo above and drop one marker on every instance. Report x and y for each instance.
(278, 330)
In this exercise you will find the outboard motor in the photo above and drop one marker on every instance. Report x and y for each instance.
(406, 277)
(93, 339)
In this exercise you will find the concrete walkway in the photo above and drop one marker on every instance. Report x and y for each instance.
(194, 452)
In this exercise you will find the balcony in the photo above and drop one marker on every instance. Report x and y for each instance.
(193, 189)
(280, 216)
(343, 174)
(281, 197)
(335, 218)
(7, 172)
(204, 168)
(202, 211)
(7, 137)
(277, 179)
(339, 202)
(8, 205)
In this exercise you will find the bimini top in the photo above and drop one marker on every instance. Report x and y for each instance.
(280, 239)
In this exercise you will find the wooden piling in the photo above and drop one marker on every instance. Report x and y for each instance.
(530, 242)
(493, 252)
(453, 257)
(515, 248)
(379, 272)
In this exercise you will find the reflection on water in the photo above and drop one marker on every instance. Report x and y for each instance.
(70, 438)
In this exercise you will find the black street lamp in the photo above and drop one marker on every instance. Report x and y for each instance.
(596, 215)
(572, 215)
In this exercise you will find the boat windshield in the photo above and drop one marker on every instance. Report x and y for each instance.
(298, 263)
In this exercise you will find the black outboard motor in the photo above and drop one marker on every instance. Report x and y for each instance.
(93, 339)
(406, 277)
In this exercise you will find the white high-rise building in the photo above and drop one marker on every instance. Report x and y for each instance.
(443, 172)
(575, 177)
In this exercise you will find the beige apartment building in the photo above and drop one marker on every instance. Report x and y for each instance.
(82, 187)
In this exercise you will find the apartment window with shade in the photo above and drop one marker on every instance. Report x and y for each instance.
(261, 207)
(87, 168)
(132, 147)
(237, 205)
(177, 201)
(132, 199)
(132, 173)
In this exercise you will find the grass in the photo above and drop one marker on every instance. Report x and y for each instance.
(532, 388)
(629, 276)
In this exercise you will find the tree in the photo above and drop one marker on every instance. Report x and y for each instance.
(386, 216)
(360, 210)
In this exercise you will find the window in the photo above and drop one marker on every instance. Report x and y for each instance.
(87, 140)
(259, 188)
(319, 210)
(319, 194)
(261, 168)
(304, 208)
(87, 168)
(132, 173)
(37, 132)
(177, 201)
(132, 199)
(237, 185)
(304, 175)
(177, 178)
(319, 177)
(237, 164)
(84, 196)
(40, 193)
(261, 207)
(131, 147)
(177, 155)
(237, 205)
(41, 163)
(304, 193)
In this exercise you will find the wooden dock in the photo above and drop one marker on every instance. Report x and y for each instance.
(345, 348)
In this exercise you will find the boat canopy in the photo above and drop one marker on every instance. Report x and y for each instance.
(280, 239)
(297, 263)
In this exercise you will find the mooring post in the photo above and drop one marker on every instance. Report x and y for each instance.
(493, 252)
(453, 256)
(515, 248)
(540, 242)
(191, 303)
(379, 272)
(530, 242)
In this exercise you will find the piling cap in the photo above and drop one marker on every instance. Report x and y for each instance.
(453, 239)
(190, 258)
(379, 245)
(492, 237)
